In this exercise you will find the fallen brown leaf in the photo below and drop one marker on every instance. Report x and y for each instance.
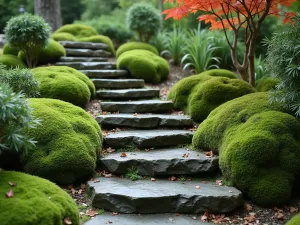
(248, 207)
(10, 194)
(96, 181)
(82, 186)
(198, 187)
(115, 213)
(108, 175)
(67, 221)
(123, 154)
(153, 179)
(12, 184)
(91, 213)
(172, 178)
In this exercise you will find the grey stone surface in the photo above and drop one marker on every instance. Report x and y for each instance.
(145, 106)
(118, 83)
(162, 196)
(148, 138)
(122, 94)
(144, 120)
(176, 161)
(105, 73)
(87, 52)
(88, 65)
(147, 219)
(84, 45)
(83, 59)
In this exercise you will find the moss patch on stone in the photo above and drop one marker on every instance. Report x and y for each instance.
(136, 45)
(12, 61)
(63, 36)
(77, 30)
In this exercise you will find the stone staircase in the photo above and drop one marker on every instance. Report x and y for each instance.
(144, 126)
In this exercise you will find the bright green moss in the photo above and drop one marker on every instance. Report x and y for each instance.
(198, 95)
(258, 145)
(295, 220)
(266, 84)
(36, 201)
(64, 83)
(12, 61)
(8, 50)
(145, 65)
(69, 141)
(136, 45)
(220, 73)
(100, 39)
(63, 36)
(77, 30)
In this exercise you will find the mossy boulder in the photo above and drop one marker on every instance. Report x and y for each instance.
(77, 30)
(266, 84)
(198, 95)
(69, 142)
(64, 83)
(35, 201)
(63, 36)
(220, 73)
(100, 39)
(145, 65)
(294, 221)
(12, 61)
(258, 146)
(136, 45)
(7, 49)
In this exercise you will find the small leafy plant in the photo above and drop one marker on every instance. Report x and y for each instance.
(133, 174)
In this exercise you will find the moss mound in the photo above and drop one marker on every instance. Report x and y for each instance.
(144, 65)
(220, 73)
(77, 30)
(266, 84)
(8, 50)
(69, 142)
(100, 39)
(12, 61)
(63, 36)
(35, 201)
(64, 83)
(258, 145)
(136, 45)
(198, 95)
(294, 221)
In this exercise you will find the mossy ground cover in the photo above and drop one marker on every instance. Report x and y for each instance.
(12, 61)
(136, 45)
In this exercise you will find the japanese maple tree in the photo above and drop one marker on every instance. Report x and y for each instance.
(233, 16)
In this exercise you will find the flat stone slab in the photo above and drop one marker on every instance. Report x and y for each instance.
(118, 83)
(162, 196)
(122, 94)
(88, 65)
(147, 219)
(144, 120)
(83, 59)
(144, 106)
(84, 45)
(105, 73)
(148, 138)
(159, 162)
(87, 52)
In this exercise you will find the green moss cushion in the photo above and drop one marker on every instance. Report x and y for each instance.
(198, 95)
(36, 201)
(144, 65)
(7, 49)
(220, 73)
(258, 145)
(136, 45)
(266, 84)
(77, 30)
(100, 39)
(63, 36)
(69, 141)
(64, 83)
(294, 221)
(12, 61)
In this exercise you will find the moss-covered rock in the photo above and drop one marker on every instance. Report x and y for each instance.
(69, 142)
(220, 73)
(7, 49)
(100, 39)
(35, 201)
(64, 83)
(63, 36)
(295, 220)
(12, 61)
(77, 30)
(266, 84)
(198, 95)
(136, 45)
(258, 145)
(145, 65)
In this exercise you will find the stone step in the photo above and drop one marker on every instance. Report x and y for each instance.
(162, 196)
(125, 94)
(83, 59)
(160, 162)
(144, 106)
(87, 52)
(105, 73)
(144, 120)
(118, 83)
(88, 65)
(147, 219)
(147, 138)
(83, 45)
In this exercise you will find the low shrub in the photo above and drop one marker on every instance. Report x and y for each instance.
(134, 46)
(11, 61)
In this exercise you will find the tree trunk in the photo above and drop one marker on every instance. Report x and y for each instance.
(161, 5)
(50, 11)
